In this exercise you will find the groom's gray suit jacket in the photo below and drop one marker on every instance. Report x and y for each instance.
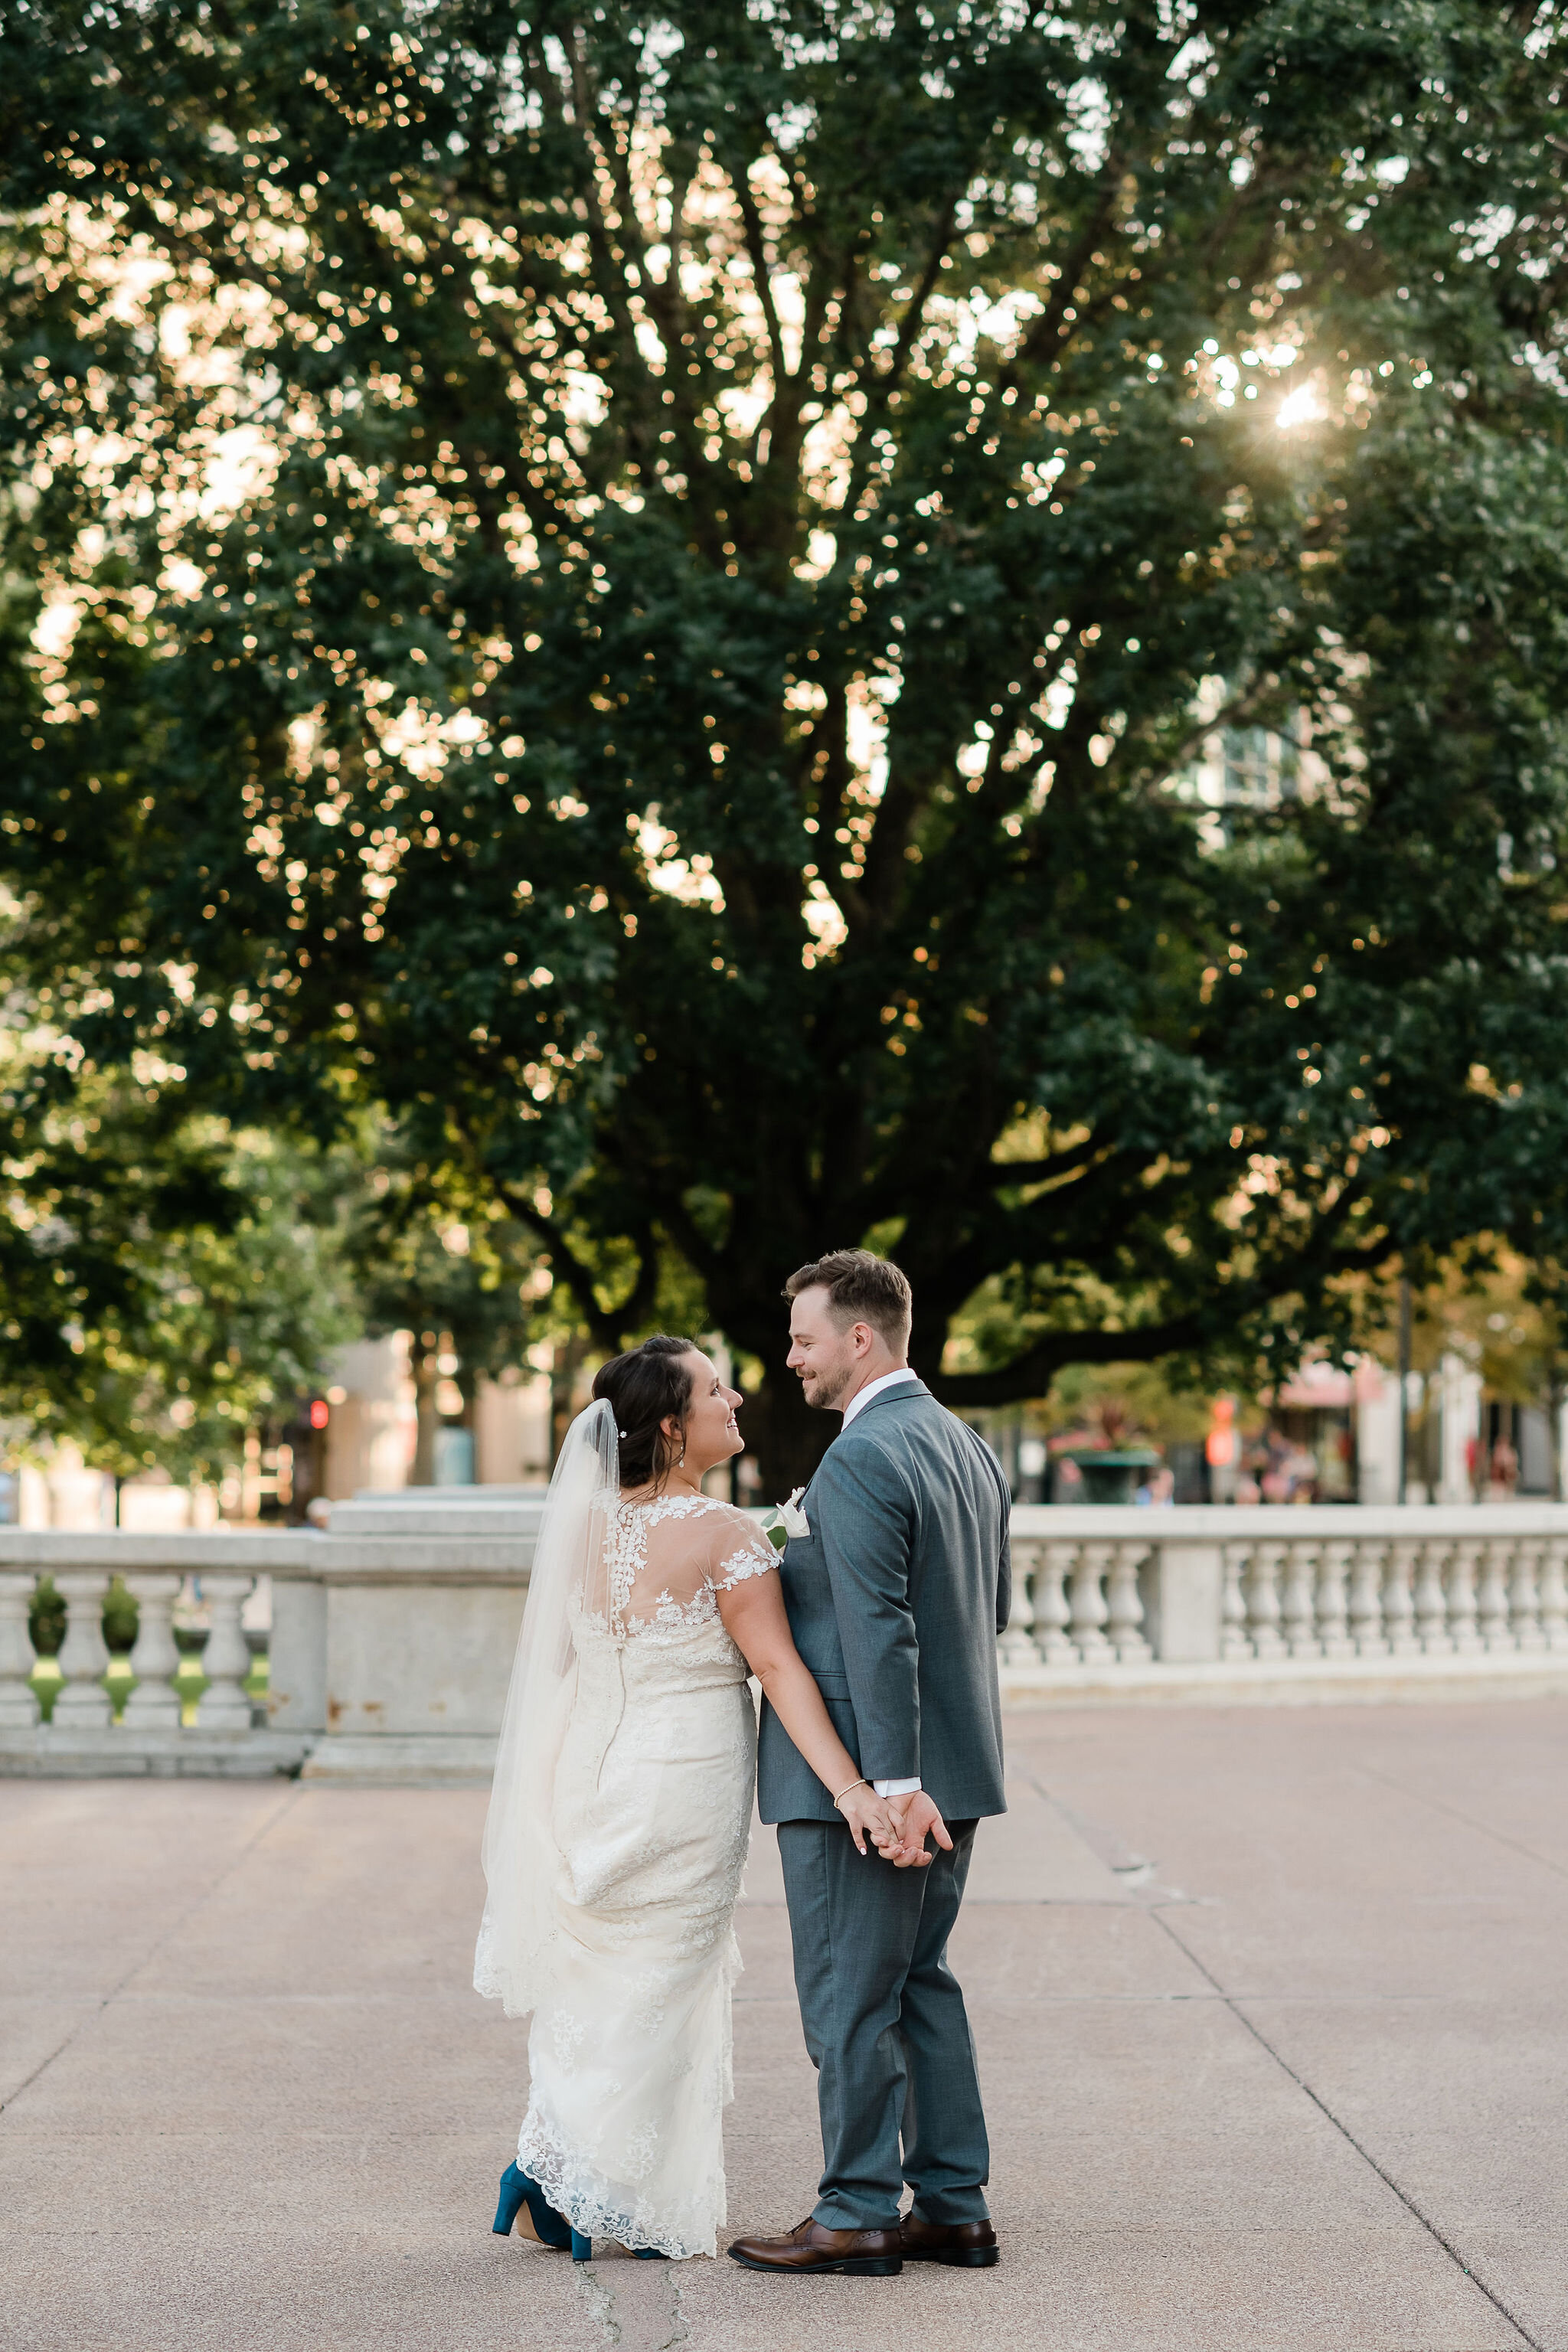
(895, 1599)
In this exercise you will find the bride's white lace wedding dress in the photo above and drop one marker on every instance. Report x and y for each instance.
(650, 1814)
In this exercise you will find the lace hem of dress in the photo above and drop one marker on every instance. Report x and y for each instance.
(596, 2208)
(526, 1982)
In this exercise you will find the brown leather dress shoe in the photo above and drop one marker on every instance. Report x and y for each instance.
(864, 2253)
(968, 2245)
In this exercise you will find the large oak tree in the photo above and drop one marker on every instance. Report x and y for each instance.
(632, 586)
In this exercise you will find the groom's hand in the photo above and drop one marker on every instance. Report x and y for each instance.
(914, 1816)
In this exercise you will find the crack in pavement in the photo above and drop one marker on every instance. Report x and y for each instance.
(637, 2304)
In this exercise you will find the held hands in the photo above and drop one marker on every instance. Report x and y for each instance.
(895, 1826)
(912, 1816)
(870, 1816)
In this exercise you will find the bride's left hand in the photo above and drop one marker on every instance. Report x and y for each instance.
(868, 1817)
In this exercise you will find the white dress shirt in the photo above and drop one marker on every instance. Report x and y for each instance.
(874, 1388)
(863, 1396)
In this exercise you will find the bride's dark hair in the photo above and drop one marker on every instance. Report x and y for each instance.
(644, 1387)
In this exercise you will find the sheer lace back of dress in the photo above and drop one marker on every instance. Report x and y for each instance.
(666, 1560)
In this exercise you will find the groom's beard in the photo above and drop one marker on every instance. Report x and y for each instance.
(830, 1388)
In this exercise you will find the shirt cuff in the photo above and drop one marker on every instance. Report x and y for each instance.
(897, 1788)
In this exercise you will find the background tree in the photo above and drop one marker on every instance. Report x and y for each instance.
(165, 1285)
(632, 588)
(475, 1284)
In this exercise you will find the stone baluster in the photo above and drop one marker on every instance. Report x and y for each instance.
(1334, 1558)
(1364, 1605)
(1462, 1568)
(1124, 1605)
(1089, 1609)
(19, 1702)
(1554, 1594)
(1398, 1598)
(1492, 1595)
(1016, 1648)
(1525, 1596)
(155, 1704)
(1297, 1612)
(1431, 1601)
(226, 1661)
(1051, 1614)
(1263, 1600)
(83, 1703)
(1233, 1641)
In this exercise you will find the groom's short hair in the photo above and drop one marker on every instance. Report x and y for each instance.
(861, 1289)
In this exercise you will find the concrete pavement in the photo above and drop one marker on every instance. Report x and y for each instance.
(1272, 2009)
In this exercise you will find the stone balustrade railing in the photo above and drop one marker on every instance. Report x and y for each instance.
(81, 1735)
(1195, 1601)
(391, 1643)
(393, 1634)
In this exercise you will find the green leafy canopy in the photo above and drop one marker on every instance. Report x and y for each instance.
(631, 588)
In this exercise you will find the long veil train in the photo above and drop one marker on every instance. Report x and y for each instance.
(523, 1866)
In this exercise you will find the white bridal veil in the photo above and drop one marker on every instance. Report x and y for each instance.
(521, 1862)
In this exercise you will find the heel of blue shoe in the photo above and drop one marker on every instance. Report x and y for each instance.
(513, 2194)
(551, 2227)
(582, 2247)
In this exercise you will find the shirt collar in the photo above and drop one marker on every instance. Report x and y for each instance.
(874, 1388)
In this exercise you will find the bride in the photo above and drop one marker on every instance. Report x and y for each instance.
(621, 1809)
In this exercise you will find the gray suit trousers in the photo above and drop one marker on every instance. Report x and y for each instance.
(886, 2028)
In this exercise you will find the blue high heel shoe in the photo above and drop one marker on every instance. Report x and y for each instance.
(551, 2227)
(651, 2254)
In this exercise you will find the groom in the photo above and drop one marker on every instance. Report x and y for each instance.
(895, 1599)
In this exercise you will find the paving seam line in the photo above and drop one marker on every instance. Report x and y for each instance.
(189, 1913)
(1158, 1911)
(1482, 1829)
(1345, 2133)
(1101, 1843)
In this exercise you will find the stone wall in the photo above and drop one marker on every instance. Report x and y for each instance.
(393, 1631)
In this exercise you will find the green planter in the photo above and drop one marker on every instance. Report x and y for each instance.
(47, 1618)
(1111, 1476)
(121, 1619)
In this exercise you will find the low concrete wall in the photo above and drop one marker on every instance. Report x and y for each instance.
(393, 1632)
(396, 1633)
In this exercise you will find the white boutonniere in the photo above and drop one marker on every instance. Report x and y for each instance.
(786, 1519)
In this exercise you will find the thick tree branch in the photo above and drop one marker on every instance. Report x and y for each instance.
(1031, 1374)
(761, 273)
(1004, 1172)
(1052, 327)
(605, 1327)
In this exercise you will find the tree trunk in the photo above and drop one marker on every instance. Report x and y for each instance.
(787, 1438)
(566, 1365)
(422, 1363)
(784, 1434)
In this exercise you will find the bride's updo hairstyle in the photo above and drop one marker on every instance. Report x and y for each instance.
(648, 1385)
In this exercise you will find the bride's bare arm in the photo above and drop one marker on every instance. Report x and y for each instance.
(755, 1620)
